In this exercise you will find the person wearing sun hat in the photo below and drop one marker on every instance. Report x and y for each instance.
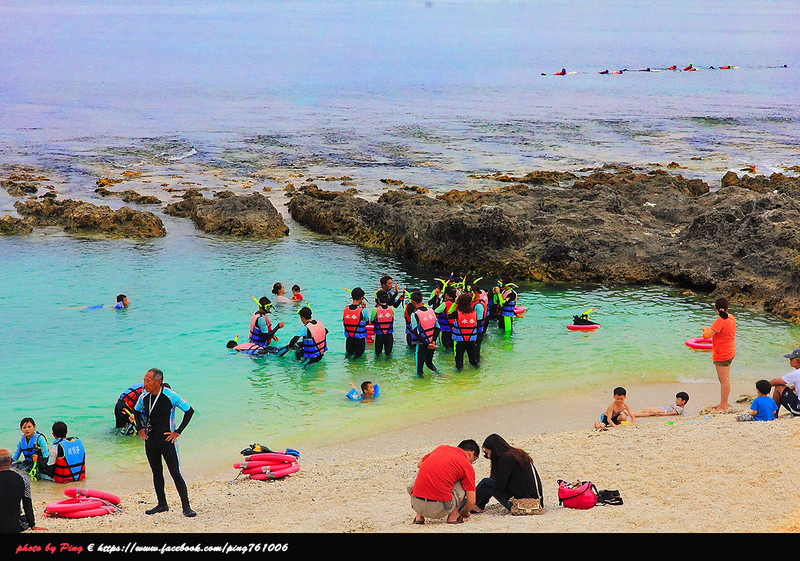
(786, 387)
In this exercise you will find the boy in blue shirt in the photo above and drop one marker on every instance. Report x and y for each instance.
(763, 407)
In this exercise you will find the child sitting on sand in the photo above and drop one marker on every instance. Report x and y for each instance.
(763, 407)
(680, 402)
(616, 413)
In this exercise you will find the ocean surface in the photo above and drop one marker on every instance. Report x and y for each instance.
(430, 93)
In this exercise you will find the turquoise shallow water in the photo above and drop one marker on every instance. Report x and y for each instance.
(191, 293)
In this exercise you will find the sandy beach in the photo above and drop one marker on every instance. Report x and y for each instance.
(697, 473)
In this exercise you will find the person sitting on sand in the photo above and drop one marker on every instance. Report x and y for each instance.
(680, 402)
(616, 413)
(512, 474)
(786, 386)
(445, 480)
(763, 407)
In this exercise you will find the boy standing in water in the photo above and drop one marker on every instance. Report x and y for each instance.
(355, 318)
(424, 331)
(382, 319)
(616, 412)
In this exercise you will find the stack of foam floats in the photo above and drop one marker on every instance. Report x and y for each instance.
(83, 503)
(268, 465)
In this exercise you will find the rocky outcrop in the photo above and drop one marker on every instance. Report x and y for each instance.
(129, 196)
(248, 216)
(12, 226)
(24, 184)
(80, 217)
(622, 227)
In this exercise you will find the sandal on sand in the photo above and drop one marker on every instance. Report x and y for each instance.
(415, 521)
(459, 520)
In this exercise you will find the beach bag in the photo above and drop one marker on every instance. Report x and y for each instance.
(581, 494)
(521, 507)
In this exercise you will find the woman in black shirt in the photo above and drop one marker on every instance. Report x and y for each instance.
(512, 474)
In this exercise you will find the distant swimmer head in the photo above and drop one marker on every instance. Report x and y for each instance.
(231, 344)
(416, 297)
(122, 301)
(277, 289)
(382, 297)
(357, 294)
(451, 292)
(304, 312)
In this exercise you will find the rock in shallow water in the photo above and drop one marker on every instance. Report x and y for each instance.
(248, 216)
(80, 217)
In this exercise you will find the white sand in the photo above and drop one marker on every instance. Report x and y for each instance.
(702, 473)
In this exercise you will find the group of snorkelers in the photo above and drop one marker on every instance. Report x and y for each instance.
(455, 316)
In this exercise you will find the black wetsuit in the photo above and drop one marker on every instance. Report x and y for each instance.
(15, 489)
(158, 411)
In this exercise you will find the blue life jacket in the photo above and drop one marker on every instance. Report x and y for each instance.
(509, 305)
(256, 335)
(314, 343)
(72, 466)
(31, 447)
(445, 324)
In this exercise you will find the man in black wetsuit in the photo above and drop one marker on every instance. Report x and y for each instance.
(14, 489)
(155, 426)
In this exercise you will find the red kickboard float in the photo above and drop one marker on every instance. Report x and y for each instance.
(276, 474)
(267, 469)
(99, 511)
(271, 456)
(592, 327)
(258, 463)
(75, 492)
(71, 505)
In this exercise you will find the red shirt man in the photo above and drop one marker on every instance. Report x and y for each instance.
(445, 478)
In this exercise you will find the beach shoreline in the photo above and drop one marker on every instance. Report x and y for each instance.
(666, 469)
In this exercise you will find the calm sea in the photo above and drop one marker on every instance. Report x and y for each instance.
(425, 92)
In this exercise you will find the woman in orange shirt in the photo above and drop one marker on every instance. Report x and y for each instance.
(723, 348)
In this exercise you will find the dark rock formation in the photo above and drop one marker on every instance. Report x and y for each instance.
(248, 216)
(12, 226)
(81, 217)
(129, 196)
(623, 227)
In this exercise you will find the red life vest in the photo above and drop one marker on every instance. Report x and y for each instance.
(426, 327)
(130, 396)
(465, 327)
(384, 320)
(354, 323)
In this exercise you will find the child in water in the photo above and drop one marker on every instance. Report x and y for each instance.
(296, 296)
(369, 391)
(616, 413)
